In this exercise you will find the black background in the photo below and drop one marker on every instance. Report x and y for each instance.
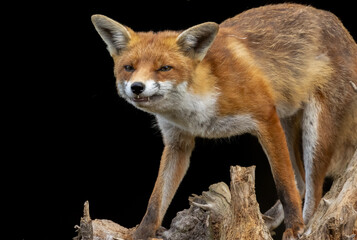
(68, 136)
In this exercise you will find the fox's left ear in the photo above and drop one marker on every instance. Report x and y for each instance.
(115, 35)
(196, 40)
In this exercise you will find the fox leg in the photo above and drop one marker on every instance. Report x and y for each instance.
(292, 129)
(173, 166)
(273, 141)
(318, 130)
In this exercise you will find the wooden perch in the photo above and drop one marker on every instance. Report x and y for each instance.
(100, 229)
(229, 214)
(222, 214)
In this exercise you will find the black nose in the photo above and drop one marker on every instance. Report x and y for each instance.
(137, 87)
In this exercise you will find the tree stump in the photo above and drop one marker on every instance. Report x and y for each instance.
(224, 213)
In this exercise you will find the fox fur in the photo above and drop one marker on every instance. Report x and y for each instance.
(286, 73)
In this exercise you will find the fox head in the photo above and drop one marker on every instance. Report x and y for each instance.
(152, 69)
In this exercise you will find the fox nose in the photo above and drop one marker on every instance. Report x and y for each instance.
(137, 87)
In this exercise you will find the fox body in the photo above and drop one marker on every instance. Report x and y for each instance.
(286, 73)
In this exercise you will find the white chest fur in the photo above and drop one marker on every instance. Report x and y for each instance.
(216, 127)
(197, 115)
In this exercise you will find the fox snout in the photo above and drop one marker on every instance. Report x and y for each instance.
(141, 88)
(140, 92)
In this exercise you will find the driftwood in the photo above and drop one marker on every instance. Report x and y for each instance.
(224, 213)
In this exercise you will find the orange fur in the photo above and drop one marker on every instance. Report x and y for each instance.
(285, 73)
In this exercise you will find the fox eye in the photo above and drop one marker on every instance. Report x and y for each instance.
(129, 68)
(165, 68)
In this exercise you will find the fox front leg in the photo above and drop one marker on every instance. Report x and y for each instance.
(173, 166)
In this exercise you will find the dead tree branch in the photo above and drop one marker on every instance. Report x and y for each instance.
(224, 213)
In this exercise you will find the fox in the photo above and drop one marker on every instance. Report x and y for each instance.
(285, 73)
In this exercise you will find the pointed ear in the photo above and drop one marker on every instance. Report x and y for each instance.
(196, 40)
(115, 35)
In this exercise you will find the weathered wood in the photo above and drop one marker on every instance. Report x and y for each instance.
(224, 213)
(100, 229)
(216, 214)
(245, 208)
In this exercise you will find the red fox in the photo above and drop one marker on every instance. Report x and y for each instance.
(285, 73)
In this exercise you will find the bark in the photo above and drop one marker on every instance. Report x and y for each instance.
(224, 213)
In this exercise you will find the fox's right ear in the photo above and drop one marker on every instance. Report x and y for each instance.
(115, 35)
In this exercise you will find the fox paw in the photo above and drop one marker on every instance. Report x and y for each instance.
(294, 232)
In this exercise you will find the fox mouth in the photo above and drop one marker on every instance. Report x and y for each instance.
(140, 99)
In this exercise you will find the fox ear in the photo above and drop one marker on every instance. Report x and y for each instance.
(115, 35)
(196, 40)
